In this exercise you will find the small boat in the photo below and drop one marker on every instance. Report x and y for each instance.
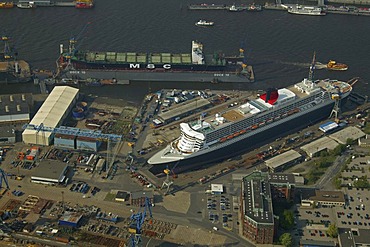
(333, 65)
(6, 5)
(204, 23)
(233, 8)
(84, 4)
(28, 5)
(306, 10)
(254, 7)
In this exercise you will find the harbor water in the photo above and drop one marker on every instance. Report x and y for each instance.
(278, 45)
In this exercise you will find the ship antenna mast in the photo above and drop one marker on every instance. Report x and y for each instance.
(312, 68)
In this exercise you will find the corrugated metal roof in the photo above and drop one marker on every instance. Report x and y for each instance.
(328, 126)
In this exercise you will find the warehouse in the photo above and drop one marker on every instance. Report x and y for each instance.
(323, 144)
(15, 108)
(50, 115)
(65, 137)
(183, 109)
(351, 132)
(51, 172)
(86, 140)
(283, 161)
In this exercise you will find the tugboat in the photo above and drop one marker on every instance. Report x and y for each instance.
(333, 65)
(204, 23)
(6, 5)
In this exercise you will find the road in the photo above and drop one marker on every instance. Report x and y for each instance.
(332, 170)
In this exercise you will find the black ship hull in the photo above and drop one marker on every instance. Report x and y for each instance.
(248, 143)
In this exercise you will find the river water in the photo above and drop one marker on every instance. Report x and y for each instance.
(278, 45)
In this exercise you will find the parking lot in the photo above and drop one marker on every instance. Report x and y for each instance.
(219, 210)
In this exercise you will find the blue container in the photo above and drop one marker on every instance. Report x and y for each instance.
(78, 113)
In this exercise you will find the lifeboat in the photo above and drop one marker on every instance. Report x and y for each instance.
(236, 134)
(333, 65)
(277, 118)
(285, 114)
(229, 137)
(223, 139)
(254, 127)
(293, 111)
(242, 132)
(270, 120)
(261, 124)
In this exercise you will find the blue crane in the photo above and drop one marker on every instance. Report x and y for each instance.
(74, 39)
(3, 176)
(136, 225)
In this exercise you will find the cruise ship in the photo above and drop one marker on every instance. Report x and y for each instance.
(247, 126)
(306, 10)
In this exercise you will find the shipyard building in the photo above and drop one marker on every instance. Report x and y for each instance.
(51, 115)
(15, 108)
(259, 190)
(283, 161)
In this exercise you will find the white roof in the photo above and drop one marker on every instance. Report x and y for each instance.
(217, 188)
(54, 107)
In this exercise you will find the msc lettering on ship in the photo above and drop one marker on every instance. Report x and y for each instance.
(148, 66)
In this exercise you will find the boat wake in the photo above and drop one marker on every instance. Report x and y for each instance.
(304, 65)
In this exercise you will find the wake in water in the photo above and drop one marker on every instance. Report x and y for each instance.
(304, 65)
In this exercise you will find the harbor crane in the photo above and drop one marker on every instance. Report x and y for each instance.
(311, 73)
(168, 181)
(138, 220)
(109, 138)
(3, 177)
(72, 48)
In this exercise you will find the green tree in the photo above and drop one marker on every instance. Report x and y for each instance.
(350, 141)
(338, 150)
(287, 219)
(286, 240)
(332, 231)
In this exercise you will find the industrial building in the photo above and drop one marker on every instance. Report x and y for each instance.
(50, 115)
(350, 132)
(259, 191)
(258, 220)
(282, 185)
(15, 108)
(323, 144)
(314, 198)
(283, 161)
(86, 140)
(122, 196)
(217, 189)
(70, 219)
(65, 137)
(364, 141)
(50, 172)
(328, 127)
(7, 134)
(183, 109)
(353, 237)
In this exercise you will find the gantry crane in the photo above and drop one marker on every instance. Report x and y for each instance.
(168, 181)
(137, 222)
(109, 138)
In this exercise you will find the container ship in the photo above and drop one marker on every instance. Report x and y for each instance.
(194, 66)
(245, 127)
